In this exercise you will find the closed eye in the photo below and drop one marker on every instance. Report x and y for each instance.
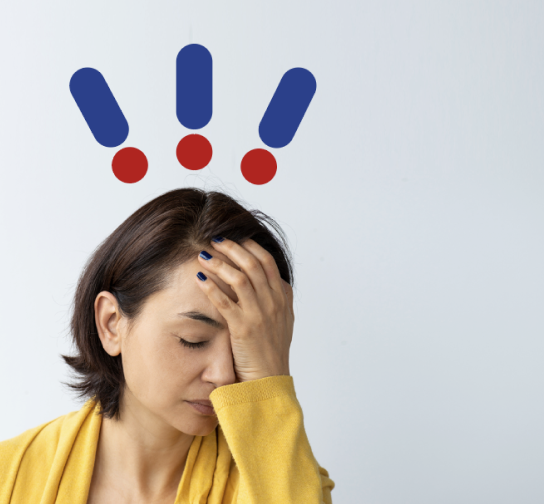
(192, 345)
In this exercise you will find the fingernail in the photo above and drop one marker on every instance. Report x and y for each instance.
(205, 255)
(217, 239)
(201, 276)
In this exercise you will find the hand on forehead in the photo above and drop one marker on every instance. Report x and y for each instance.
(221, 284)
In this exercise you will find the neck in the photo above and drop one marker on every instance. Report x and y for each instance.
(140, 456)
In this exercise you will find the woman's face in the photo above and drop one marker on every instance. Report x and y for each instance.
(161, 373)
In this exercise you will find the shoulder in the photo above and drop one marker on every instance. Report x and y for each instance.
(28, 461)
(31, 447)
(41, 440)
(48, 431)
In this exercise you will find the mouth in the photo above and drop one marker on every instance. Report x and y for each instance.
(202, 408)
(202, 401)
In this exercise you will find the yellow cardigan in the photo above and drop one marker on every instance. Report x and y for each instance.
(258, 454)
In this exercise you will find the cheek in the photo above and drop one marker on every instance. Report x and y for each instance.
(157, 375)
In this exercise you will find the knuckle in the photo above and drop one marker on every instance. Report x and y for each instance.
(259, 322)
(251, 264)
(228, 244)
(240, 280)
(268, 259)
(274, 309)
(224, 303)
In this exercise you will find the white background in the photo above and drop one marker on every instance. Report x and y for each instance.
(412, 196)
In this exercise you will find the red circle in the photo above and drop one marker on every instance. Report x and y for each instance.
(259, 166)
(129, 165)
(194, 152)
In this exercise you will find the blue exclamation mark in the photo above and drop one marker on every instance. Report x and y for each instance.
(280, 123)
(194, 104)
(107, 122)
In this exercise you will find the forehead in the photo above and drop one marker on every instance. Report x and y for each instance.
(183, 288)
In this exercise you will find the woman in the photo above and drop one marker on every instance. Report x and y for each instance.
(182, 323)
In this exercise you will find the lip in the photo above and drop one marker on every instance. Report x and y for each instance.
(202, 408)
(205, 402)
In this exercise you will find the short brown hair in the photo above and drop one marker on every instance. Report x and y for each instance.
(135, 261)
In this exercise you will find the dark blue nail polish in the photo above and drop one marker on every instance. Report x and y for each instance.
(201, 276)
(217, 239)
(205, 255)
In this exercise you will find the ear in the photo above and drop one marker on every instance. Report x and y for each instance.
(108, 318)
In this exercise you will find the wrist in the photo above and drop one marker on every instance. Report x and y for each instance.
(258, 376)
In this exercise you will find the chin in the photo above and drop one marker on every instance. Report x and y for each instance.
(206, 426)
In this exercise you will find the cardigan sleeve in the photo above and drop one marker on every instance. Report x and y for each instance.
(263, 424)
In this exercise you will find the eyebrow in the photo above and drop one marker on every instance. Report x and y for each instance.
(196, 315)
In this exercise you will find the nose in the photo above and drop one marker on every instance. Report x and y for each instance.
(220, 367)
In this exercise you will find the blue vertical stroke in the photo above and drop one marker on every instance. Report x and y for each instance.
(194, 86)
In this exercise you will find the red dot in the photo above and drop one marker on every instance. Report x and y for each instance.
(194, 152)
(129, 165)
(259, 166)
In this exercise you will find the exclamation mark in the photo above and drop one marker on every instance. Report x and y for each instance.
(280, 123)
(107, 122)
(194, 104)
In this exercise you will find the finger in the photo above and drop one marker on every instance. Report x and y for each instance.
(237, 280)
(224, 304)
(268, 263)
(249, 264)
